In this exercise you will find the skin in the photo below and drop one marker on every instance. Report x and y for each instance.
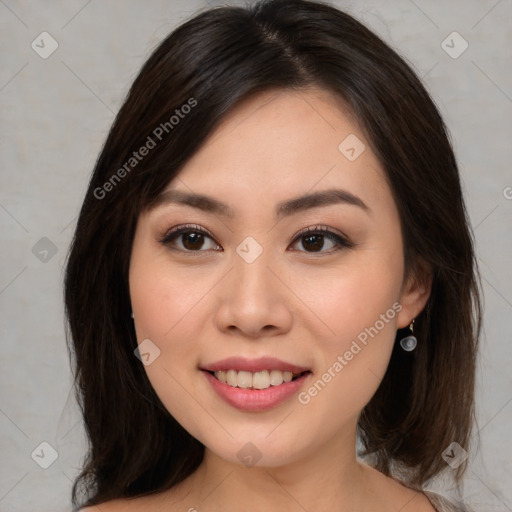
(302, 306)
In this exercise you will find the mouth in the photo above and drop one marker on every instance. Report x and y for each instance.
(257, 380)
(255, 384)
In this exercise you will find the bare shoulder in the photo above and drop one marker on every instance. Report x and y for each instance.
(410, 500)
(110, 506)
(442, 504)
(121, 505)
(393, 495)
(170, 501)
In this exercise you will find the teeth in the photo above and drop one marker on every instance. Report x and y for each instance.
(276, 377)
(261, 380)
(231, 378)
(257, 380)
(244, 380)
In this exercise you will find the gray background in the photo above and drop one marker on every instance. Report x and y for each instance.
(55, 114)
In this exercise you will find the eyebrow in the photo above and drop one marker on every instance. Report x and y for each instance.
(283, 209)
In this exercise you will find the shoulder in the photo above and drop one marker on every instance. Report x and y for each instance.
(118, 505)
(109, 506)
(392, 494)
(170, 500)
(148, 503)
(442, 504)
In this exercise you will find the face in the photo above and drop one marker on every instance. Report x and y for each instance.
(289, 267)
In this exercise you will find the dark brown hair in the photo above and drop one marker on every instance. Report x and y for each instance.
(211, 63)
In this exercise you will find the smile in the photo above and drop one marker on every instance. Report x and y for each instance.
(257, 380)
(255, 385)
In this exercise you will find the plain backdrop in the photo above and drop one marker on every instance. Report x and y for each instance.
(54, 116)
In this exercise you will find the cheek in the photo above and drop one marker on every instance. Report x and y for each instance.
(164, 299)
(351, 298)
(165, 302)
(165, 305)
(358, 308)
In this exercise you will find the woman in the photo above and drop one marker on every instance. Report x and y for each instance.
(273, 261)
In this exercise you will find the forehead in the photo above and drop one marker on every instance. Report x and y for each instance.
(282, 143)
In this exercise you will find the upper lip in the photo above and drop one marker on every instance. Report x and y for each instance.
(253, 365)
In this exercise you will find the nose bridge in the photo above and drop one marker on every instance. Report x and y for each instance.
(252, 298)
(251, 275)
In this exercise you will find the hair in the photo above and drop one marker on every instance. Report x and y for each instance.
(212, 62)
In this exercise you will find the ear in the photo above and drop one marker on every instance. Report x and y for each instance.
(415, 292)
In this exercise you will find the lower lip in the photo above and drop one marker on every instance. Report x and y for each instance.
(255, 400)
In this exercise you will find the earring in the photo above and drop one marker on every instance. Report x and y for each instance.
(409, 342)
(132, 315)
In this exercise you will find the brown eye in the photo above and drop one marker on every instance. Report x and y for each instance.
(316, 239)
(192, 241)
(314, 243)
(189, 239)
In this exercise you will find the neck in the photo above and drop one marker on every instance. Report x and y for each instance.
(329, 474)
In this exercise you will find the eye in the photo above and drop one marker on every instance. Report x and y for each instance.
(189, 238)
(194, 238)
(314, 240)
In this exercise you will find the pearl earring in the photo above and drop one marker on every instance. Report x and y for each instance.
(409, 342)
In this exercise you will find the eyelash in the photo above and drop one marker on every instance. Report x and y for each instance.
(341, 241)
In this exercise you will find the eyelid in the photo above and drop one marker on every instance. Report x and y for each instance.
(337, 237)
(319, 228)
(174, 232)
(184, 227)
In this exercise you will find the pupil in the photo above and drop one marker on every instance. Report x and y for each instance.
(193, 240)
(311, 239)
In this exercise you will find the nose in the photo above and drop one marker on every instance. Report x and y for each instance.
(253, 301)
